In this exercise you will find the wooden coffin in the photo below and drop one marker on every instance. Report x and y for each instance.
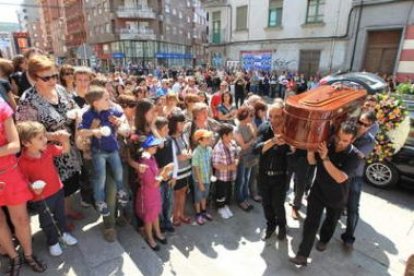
(311, 117)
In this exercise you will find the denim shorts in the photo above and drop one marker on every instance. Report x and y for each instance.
(199, 195)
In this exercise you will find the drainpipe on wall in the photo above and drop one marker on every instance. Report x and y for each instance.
(356, 35)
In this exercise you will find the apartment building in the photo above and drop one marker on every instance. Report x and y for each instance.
(146, 33)
(30, 21)
(75, 29)
(309, 36)
(312, 36)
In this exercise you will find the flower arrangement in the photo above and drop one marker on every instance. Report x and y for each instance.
(405, 88)
(391, 117)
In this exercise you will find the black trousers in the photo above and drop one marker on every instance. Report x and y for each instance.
(239, 98)
(303, 174)
(223, 193)
(86, 189)
(55, 203)
(312, 222)
(273, 192)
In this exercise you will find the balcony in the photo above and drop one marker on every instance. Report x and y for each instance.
(137, 34)
(137, 12)
(217, 37)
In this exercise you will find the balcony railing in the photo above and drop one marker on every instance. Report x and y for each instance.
(138, 34)
(137, 11)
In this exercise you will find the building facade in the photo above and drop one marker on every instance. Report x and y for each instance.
(75, 30)
(309, 36)
(312, 36)
(383, 40)
(30, 20)
(146, 33)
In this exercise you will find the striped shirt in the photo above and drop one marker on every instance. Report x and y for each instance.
(181, 145)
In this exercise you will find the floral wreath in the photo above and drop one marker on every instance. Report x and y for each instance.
(392, 119)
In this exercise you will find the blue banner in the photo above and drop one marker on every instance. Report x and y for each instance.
(118, 55)
(173, 55)
(257, 61)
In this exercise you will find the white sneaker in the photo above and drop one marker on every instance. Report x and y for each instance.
(55, 250)
(222, 212)
(228, 211)
(68, 239)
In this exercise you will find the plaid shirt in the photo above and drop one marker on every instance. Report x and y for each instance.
(202, 159)
(225, 156)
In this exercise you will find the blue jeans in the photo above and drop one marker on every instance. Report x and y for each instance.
(355, 188)
(167, 203)
(242, 182)
(99, 160)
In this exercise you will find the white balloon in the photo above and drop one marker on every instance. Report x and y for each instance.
(38, 184)
(105, 131)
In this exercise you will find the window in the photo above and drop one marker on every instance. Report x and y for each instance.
(167, 9)
(275, 13)
(241, 18)
(180, 15)
(99, 9)
(216, 18)
(174, 11)
(108, 27)
(315, 11)
(309, 62)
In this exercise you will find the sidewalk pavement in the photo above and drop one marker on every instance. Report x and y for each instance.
(385, 239)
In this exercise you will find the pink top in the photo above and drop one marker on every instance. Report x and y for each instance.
(5, 113)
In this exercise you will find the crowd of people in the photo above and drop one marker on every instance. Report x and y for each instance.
(137, 148)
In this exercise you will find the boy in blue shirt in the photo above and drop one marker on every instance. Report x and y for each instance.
(104, 146)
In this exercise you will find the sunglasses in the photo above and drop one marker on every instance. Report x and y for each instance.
(67, 74)
(363, 124)
(128, 105)
(48, 78)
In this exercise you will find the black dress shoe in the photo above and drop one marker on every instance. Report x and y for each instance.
(163, 241)
(266, 234)
(321, 246)
(299, 260)
(156, 247)
(281, 235)
(169, 229)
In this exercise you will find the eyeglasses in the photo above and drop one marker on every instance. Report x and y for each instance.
(48, 78)
(363, 124)
(67, 74)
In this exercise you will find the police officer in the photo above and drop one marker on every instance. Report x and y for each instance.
(336, 163)
(272, 171)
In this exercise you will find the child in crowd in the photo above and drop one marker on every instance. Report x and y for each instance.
(202, 172)
(37, 164)
(148, 201)
(225, 161)
(181, 145)
(104, 146)
(165, 156)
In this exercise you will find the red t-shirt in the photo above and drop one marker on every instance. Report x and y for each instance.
(43, 168)
(215, 101)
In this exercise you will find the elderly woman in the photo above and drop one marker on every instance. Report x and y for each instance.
(48, 103)
(200, 120)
